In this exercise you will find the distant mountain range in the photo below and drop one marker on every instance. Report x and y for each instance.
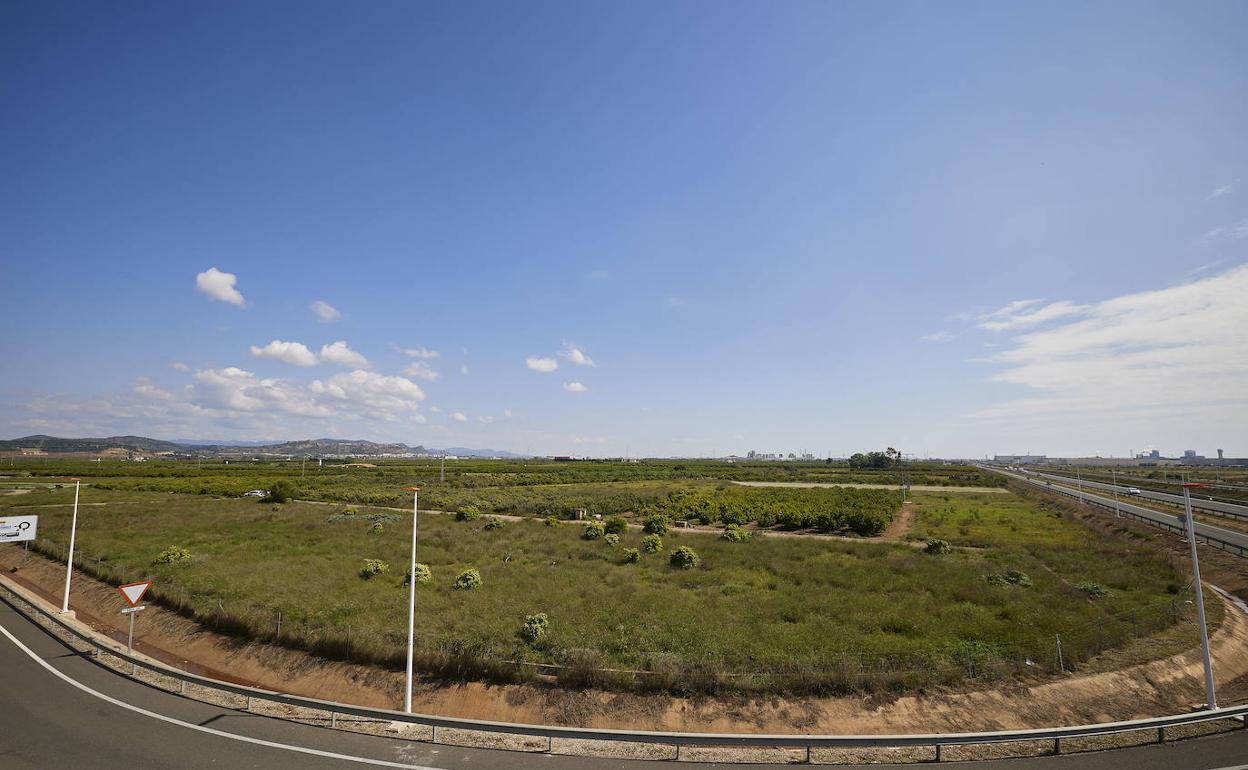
(305, 448)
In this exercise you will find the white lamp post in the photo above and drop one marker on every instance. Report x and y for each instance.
(73, 531)
(1211, 700)
(411, 605)
(1113, 474)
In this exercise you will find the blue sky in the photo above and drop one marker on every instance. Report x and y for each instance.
(954, 228)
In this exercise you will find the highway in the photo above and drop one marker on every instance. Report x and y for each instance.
(60, 709)
(1198, 503)
(1235, 542)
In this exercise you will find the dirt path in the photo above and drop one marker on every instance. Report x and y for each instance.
(1161, 687)
(914, 488)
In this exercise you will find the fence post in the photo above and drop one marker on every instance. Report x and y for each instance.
(1057, 745)
(278, 634)
(938, 752)
(183, 687)
(1161, 735)
(333, 719)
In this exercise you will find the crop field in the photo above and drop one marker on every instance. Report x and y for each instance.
(775, 611)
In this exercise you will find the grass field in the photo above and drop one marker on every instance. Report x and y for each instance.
(776, 613)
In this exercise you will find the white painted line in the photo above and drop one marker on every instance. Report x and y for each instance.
(209, 730)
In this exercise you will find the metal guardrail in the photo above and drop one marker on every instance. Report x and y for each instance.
(1135, 512)
(675, 740)
(1204, 504)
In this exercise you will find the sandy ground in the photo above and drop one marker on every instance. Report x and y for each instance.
(1160, 687)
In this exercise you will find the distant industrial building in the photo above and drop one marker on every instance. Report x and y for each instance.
(1020, 459)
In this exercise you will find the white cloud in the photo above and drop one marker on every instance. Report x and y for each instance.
(463, 369)
(1165, 358)
(325, 311)
(295, 353)
(459, 417)
(219, 286)
(485, 419)
(1225, 234)
(420, 370)
(575, 387)
(421, 352)
(940, 336)
(178, 366)
(369, 394)
(1225, 189)
(339, 353)
(575, 355)
(507, 413)
(241, 391)
(1024, 313)
(539, 364)
(436, 409)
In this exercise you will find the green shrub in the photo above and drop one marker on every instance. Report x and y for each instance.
(866, 522)
(593, 530)
(552, 521)
(372, 568)
(937, 546)
(733, 533)
(631, 556)
(468, 513)
(493, 523)
(280, 492)
(534, 627)
(377, 528)
(1093, 590)
(423, 574)
(617, 525)
(467, 580)
(1011, 578)
(652, 543)
(655, 524)
(611, 539)
(172, 555)
(685, 557)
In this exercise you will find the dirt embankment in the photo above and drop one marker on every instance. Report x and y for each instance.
(1159, 687)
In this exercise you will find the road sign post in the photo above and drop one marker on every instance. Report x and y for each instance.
(1211, 700)
(132, 593)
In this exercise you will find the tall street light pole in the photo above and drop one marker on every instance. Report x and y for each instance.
(1079, 478)
(411, 604)
(1211, 700)
(73, 531)
(1114, 476)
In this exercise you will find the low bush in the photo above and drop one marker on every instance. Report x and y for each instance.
(685, 557)
(372, 568)
(631, 556)
(733, 533)
(655, 524)
(652, 543)
(617, 525)
(423, 574)
(494, 523)
(467, 580)
(377, 528)
(468, 513)
(172, 555)
(611, 539)
(534, 627)
(1011, 578)
(552, 521)
(1093, 590)
(593, 530)
(937, 546)
(280, 492)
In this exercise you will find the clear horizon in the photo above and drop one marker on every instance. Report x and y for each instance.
(684, 229)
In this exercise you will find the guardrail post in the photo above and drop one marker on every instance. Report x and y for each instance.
(550, 743)
(1057, 745)
(808, 753)
(1161, 735)
(434, 739)
(333, 719)
(184, 687)
(678, 752)
(248, 706)
(937, 753)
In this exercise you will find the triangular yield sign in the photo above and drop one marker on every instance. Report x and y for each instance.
(132, 592)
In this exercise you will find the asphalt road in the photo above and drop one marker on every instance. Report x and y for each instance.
(1199, 503)
(1239, 539)
(118, 724)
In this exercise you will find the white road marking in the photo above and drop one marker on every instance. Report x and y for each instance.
(209, 730)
